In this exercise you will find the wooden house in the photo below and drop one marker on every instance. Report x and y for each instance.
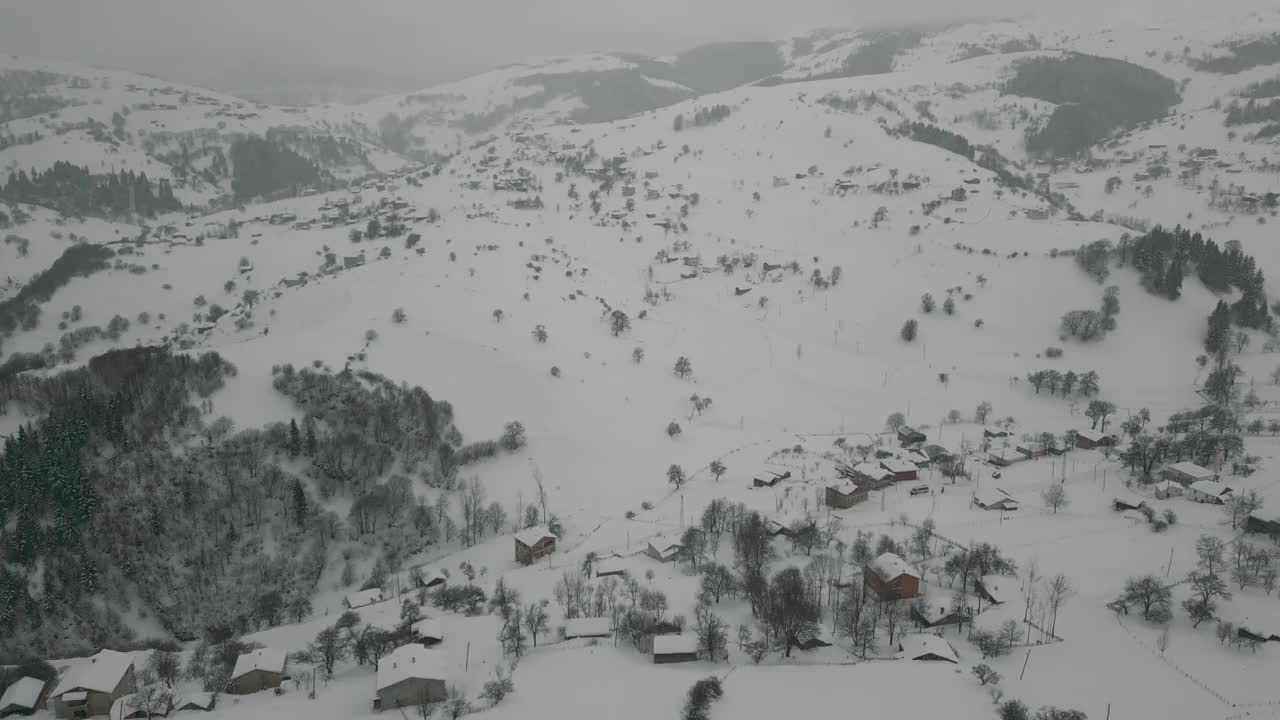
(408, 677)
(361, 598)
(892, 578)
(664, 549)
(258, 670)
(130, 707)
(428, 632)
(1089, 439)
(1166, 489)
(196, 701)
(1257, 523)
(23, 697)
(844, 494)
(534, 543)
(675, 648)
(908, 435)
(92, 686)
(994, 499)
(1004, 457)
(903, 470)
(771, 480)
(926, 647)
(1123, 504)
(871, 476)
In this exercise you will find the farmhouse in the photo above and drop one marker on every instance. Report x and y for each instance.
(1208, 491)
(892, 578)
(257, 670)
(428, 632)
(1255, 523)
(361, 598)
(1032, 450)
(871, 476)
(783, 526)
(664, 549)
(1166, 489)
(845, 494)
(429, 579)
(675, 648)
(533, 544)
(196, 701)
(918, 458)
(92, 686)
(1005, 457)
(994, 433)
(605, 568)
(926, 647)
(1122, 504)
(908, 435)
(1089, 439)
(129, 707)
(1186, 473)
(587, 628)
(932, 616)
(994, 499)
(22, 697)
(996, 589)
(409, 676)
(903, 470)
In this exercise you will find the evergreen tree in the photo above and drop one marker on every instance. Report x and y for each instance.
(1218, 336)
(295, 439)
(299, 502)
(310, 443)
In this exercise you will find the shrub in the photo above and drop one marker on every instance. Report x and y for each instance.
(1053, 352)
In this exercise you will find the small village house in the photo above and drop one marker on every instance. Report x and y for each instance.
(362, 598)
(609, 567)
(1005, 457)
(994, 433)
(533, 544)
(600, 627)
(663, 548)
(1208, 491)
(918, 458)
(1032, 449)
(91, 686)
(1266, 525)
(1166, 489)
(256, 670)
(1089, 439)
(784, 526)
(997, 589)
(428, 579)
(994, 499)
(844, 494)
(926, 647)
(872, 476)
(675, 648)
(926, 615)
(428, 632)
(196, 701)
(23, 697)
(409, 676)
(1186, 473)
(903, 470)
(892, 578)
(908, 435)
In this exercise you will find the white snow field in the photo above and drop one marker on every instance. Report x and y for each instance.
(791, 367)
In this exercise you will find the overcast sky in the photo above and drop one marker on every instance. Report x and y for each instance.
(199, 40)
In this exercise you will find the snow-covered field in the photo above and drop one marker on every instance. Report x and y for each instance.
(791, 367)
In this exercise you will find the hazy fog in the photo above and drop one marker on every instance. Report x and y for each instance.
(411, 43)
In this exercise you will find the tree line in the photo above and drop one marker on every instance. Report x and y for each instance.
(73, 190)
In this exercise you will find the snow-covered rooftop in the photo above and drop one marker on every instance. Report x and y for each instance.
(429, 628)
(268, 659)
(24, 693)
(533, 535)
(899, 465)
(890, 566)
(363, 597)
(916, 646)
(202, 700)
(675, 644)
(1001, 588)
(1092, 435)
(587, 627)
(844, 487)
(993, 496)
(1210, 487)
(407, 662)
(870, 470)
(1191, 470)
(1007, 454)
(100, 673)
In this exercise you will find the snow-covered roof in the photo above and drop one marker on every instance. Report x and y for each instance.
(1001, 588)
(993, 496)
(429, 628)
(587, 627)
(890, 566)
(1191, 470)
(202, 700)
(1212, 488)
(1007, 454)
(100, 673)
(75, 696)
(23, 693)
(268, 659)
(533, 535)
(361, 598)
(870, 470)
(844, 487)
(898, 465)
(675, 644)
(1093, 435)
(917, 457)
(409, 662)
(1166, 485)
(915, 646)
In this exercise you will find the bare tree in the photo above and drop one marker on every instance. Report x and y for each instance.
(1057, 591)
(1211, 551)
(1055, 496)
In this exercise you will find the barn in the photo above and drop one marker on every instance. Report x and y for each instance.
(1257, 523)
(675, 648)
(1089, 439)
(1208, 491)
(903, 470)
(361, 598)
(22, 697)
(600, 627)
(664, 549)
(533, 544)
(926, 647)
(994, 499)
(908, 435)
(1005, 457)
(872, 476)
(1186, 473)
(409, 676)
(257, 670)
(892, 578)
(845, 494)
(91, 687)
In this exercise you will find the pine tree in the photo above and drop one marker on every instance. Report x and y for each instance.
(295, 439)
(311, 444)
(1219, 333)
(299, 502)
(1173, 279)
